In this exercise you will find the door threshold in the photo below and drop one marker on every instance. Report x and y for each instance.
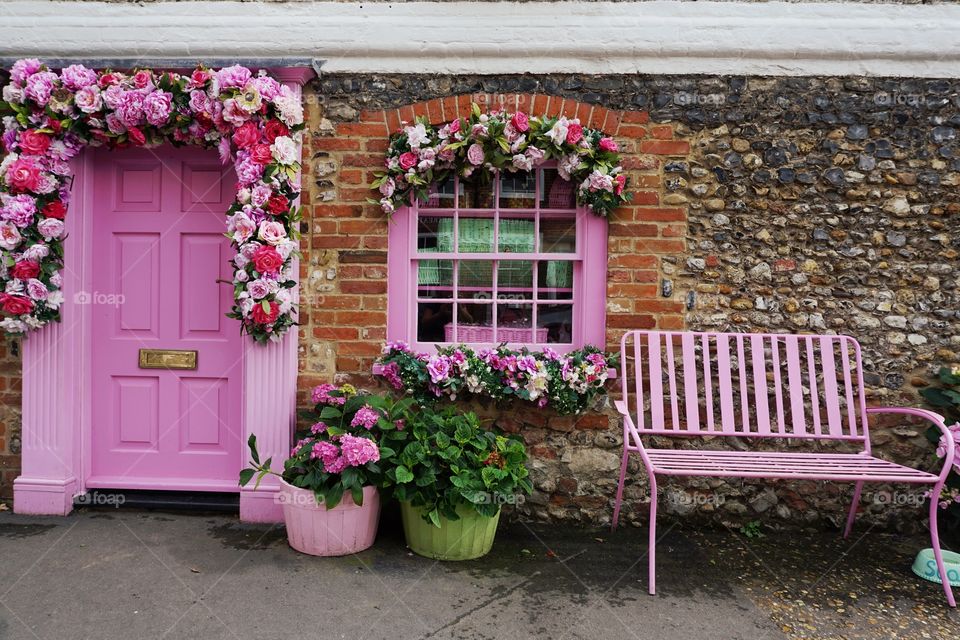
(192, 501)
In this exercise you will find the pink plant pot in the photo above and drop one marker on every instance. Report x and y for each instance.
(314, 529)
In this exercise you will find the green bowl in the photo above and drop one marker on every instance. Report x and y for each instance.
(925, 566)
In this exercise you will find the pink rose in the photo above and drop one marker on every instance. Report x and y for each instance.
(50, 228)
(621, 182)
(243, 227)
(520, 122)
(267, 260)
(23, 175)
(574, 133)
(157, 107)
(142, 79)
(262, 316)
(136, 136)
(272, 232)
(608, 144)
(37, 290)
(16, 305)
(25, 269)
(260, 153)
(246, 136)
(34, 143)
(455, 126)
(88, 99)
(9, 235)
(407, 160)
(475, 154)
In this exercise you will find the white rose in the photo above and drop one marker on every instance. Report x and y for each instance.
(272, 232)
(285, 150)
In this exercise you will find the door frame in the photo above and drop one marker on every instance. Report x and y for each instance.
(57, 406)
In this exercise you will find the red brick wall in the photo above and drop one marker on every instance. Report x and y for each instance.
(10, 398)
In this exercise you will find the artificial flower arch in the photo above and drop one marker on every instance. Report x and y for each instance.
(48, 118)
(421, 154)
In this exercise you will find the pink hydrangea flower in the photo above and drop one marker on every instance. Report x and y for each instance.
(77, 76)
(358, 451)
(234, 77)
(157, 107)
(391, 373)
(319, 427)
(321, 395)
(40, 87)
(365, 417)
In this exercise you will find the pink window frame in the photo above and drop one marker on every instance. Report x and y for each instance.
(589, 274)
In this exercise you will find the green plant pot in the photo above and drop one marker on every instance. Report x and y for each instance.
(465, 539)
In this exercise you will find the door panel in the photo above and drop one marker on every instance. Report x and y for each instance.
(159, 251)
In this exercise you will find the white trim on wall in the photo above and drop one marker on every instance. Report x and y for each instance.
(771, 38)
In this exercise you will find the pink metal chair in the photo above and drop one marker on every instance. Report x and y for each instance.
(769, 386)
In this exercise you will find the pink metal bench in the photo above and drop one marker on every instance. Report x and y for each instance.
(767, 386)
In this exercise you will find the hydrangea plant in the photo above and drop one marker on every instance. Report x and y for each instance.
(445, 459)
(945, 399)
(342, 451)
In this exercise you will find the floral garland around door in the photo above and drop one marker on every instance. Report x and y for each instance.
(48, 118)
(421, 154)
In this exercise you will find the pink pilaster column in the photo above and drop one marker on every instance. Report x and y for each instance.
(270, 389)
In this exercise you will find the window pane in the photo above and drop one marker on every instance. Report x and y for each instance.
(441, 195)
(558, 235)
(555, 280)
(435, 278)
(516, 235)
(515, 275)
(434, 233)
(556, 321)
(555, 192)
(518, 190)
(515, 323)
(476, 235)
(475, 274)
(475, 322)
(431, 319)
(478, 193)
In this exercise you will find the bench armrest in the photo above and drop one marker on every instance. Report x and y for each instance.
(936, 419)
(628, 426)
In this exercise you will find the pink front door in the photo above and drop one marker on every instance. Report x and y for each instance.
(158, 253)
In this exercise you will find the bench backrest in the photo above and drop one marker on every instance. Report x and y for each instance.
(744, 384)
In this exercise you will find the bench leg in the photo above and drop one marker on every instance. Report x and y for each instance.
(619, 499)
(937, 553)
(853, 509)
(652, 551)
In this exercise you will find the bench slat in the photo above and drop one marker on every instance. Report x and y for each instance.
(761, 400)
(831, 398)
(796, 385)
(692, 396)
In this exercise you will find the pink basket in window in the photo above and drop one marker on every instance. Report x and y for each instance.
(475, 333)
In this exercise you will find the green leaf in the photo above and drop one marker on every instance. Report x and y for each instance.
(246, 475)
(252, 443)
(433, 514)
(404, 475)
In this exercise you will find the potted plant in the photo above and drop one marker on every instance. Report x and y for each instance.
(451, 477)
(331, 505)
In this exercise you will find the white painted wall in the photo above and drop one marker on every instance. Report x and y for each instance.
(773, 38)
